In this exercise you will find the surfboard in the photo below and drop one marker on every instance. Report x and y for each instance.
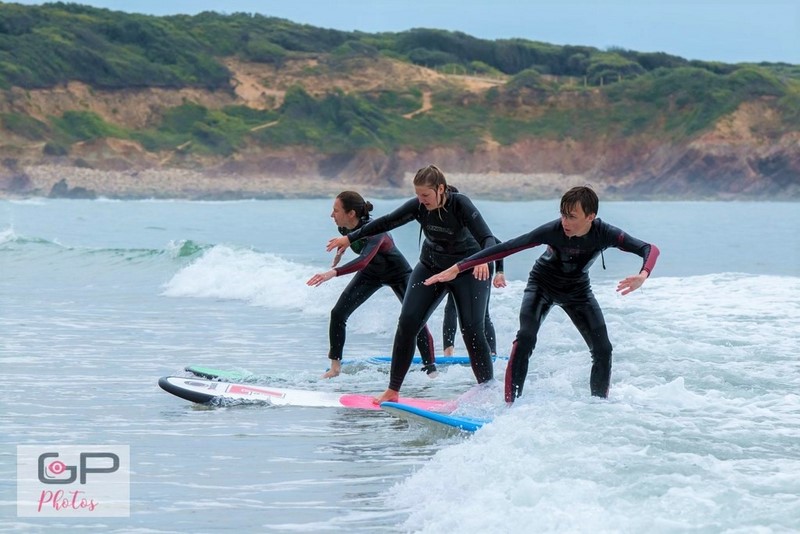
(422, 415)
(204, 391)
(221, 374)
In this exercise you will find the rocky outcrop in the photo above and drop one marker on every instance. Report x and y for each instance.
(61, 189)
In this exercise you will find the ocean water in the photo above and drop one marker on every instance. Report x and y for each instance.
(701, 433)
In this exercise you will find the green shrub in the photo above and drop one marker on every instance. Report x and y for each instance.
(263, 51)
(431, 58)
(55, 148)
(212, 140)
(155, 141)
(24, 126)
(181, 119)
(397, 102)
(479, 67)
(250, 117)
(526, 79)
(86, 126)
(789, 106)
(611, 67)
(750, 82)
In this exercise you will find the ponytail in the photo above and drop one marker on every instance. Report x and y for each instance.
(352, 201)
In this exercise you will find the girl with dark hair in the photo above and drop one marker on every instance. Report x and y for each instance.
(454, 229)
(379, 263)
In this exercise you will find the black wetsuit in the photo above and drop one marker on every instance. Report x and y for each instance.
(452, 232)
(561, 276)
(379, 263)
(450, 320)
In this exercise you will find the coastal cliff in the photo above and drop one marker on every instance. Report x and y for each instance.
(730, 161)
(315, 123)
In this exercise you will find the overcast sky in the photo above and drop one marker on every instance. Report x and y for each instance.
(730, 31)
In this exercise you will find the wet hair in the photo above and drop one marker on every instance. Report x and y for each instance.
(352, 201)
(583, 195)
(431, 176)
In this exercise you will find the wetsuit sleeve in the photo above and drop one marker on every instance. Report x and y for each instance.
(402, 215)
(626, 243)
(473, 220)
(371, 248)
(501, 250)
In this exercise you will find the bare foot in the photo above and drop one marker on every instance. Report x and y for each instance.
(336, 368)
(389, 395)
(431, 370)
(449, 351)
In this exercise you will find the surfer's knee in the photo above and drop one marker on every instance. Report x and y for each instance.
(409, 325)
(524, 343)
(601, 349)
(339, 315)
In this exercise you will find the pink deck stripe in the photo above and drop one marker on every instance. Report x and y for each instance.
(364, 402)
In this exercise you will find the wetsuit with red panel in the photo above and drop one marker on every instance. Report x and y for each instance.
(452, 232)
(379, 263)
(561, 276)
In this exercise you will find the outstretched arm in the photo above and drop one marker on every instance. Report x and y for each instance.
(402, 215)
(493, 253)
(371, 248)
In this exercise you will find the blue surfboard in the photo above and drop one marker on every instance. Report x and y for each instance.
(453, 422)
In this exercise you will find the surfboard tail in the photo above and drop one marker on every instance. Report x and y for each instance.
(431, 418)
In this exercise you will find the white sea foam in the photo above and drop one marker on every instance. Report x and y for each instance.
(7, 235)
(702, 429)
(240, 274)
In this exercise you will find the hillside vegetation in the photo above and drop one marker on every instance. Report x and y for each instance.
(238, 92)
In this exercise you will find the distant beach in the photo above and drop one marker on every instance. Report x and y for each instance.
(196, 185)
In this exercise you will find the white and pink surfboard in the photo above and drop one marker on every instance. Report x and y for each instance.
(204, 391)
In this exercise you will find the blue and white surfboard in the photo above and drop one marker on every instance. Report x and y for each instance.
(413, 413)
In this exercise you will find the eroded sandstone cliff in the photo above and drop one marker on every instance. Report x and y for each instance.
(746, 155)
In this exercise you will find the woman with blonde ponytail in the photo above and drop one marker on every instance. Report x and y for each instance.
(454, 229)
